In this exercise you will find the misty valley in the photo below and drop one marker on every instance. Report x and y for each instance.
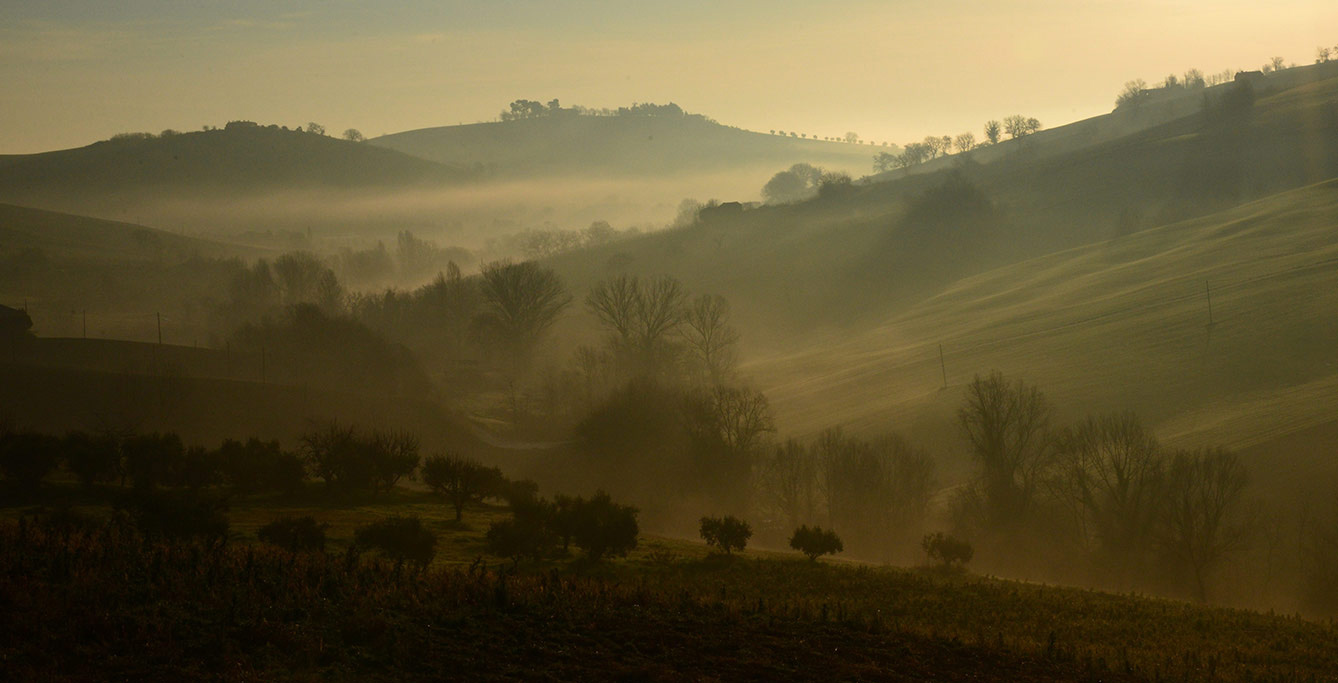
(631, 393)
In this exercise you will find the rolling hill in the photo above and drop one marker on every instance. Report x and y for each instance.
(1086, 272)
(242, 157)
(641, 145)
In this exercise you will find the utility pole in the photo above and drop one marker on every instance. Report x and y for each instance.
(943, 366)
(160, 328)
(262, 365)
(85, 312)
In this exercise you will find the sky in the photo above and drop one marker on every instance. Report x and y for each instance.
(896, 71)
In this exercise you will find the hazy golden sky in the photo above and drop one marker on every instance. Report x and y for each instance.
(76, 72)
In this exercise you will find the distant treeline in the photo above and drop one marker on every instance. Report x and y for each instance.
(532, 109)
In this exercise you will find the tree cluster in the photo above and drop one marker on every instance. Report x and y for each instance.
(1103, 484)
(540, 529)
(349, 460)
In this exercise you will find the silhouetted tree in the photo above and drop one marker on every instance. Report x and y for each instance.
(1008, 426)
(257, 466)
(790, 483)
(816, 542)
(640, 317)
(1017, 126)
(992, 131)
(709, 337)
(1110, 472)
(315, 128)
(727, 533)
(603, 527)
(354, 135)
(1134, 94)
(528, 534)
(462, 482)
(153, 459)
(965, 142)
(92, 458)
(1204, 517)
(947, 550)
(520, 301)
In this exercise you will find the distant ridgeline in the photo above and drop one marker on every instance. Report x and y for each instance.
(532, 109)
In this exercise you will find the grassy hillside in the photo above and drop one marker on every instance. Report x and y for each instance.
(613, 145)
(70, 237)
(1121, 324)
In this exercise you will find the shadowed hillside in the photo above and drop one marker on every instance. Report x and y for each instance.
(243, 157)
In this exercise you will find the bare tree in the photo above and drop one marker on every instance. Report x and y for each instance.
(642, 317)
(1008, 425)
(520, 301)
(1204, 516)
(934, 144)
(790, 481)
(878, 491)
(965, 142)
(354, 135)
(614, 304)
(1020, 126)
(709, 336)
(1110, 472)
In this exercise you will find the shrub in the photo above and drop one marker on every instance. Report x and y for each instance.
(92, 459)
(602, 527)
(295, 534)
(726, 533)
(177, 515)
(946, 550)
(27, 458)
(403, 539)
(815, 542)
(528, 534)
(153, 459)
(259, 466)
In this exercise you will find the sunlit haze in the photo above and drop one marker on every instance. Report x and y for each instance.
(890, 71)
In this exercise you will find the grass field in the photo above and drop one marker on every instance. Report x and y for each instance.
(669, 611)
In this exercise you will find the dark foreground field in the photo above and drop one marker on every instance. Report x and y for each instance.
(99, 602)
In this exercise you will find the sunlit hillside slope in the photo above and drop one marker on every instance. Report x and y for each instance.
(1118, 325)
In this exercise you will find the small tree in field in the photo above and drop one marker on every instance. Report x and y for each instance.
(602, 527)
(403, 539)
(816, 542)
(92, 459)
(947, 550)
(530, 533)
(726, 533)
(461, 481)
